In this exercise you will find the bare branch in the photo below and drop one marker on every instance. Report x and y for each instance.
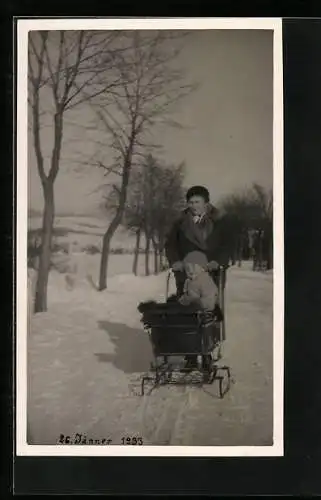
(111, 169)
(38, 57)
(78, 91)
(115, 129)
(60, 53)
(115, 134)
(54, 80)
(31, 72)
(69, 83)
(36, 109)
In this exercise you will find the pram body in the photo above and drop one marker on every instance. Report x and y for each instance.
(182, 331)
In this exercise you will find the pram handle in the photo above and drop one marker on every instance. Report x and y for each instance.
(221, 267)
(169, 274)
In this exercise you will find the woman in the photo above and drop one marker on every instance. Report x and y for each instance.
(199, 228)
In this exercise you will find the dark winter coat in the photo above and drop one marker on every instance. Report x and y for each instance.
(210, 236)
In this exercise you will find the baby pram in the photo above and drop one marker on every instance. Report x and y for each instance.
(184, 331)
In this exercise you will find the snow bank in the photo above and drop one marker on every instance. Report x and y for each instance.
(118, 302)
(87, 353)
(124, 291)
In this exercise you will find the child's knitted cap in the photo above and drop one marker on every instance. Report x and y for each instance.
(196, 258)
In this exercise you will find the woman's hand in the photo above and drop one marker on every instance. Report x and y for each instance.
(178, 266)
(213, 265)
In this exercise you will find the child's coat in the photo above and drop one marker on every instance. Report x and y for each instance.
(200, 290)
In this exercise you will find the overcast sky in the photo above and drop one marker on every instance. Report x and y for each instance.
(227, 143)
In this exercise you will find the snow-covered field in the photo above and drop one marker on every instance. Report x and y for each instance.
(87, 353)
(83, 231)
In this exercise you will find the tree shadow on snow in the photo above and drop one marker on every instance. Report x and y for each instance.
(133, 352)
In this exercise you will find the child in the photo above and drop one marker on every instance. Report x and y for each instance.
(199, 288)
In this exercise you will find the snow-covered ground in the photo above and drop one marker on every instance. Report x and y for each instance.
(84, 231)
(86, 356)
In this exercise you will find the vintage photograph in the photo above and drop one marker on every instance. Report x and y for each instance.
(149, 248)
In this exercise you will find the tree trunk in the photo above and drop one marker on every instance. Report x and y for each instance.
(156, 267)
(240, 258)
(49, 207)
(115, 222)
(233, 258)
(147, 250)
(161, 260)
(45, 252)
(161, 253)
(260, 259)
(269, 264)
(136, 255)
(105, 252)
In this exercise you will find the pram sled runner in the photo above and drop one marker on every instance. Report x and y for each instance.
(178, 331)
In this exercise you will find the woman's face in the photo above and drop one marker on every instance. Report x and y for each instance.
(197, 205)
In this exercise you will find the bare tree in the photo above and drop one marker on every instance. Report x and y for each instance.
(149, 187)
(150, 87)
(136, 251)
(264, 199)
(168, 201)
(155, 198)
(66, 69)
(251, 209)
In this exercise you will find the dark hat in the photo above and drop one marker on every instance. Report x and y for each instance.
(198, 191)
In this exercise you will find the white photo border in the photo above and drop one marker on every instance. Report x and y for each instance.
(23, 27)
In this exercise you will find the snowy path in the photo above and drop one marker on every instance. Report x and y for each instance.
(87, 354)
